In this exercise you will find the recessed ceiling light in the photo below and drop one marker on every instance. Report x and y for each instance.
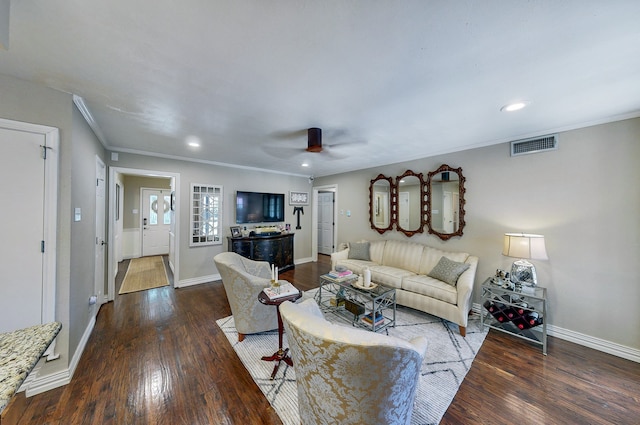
(193, 141)
(304, 164)
(515, 106)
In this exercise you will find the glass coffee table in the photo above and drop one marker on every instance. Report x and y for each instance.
(371, 308)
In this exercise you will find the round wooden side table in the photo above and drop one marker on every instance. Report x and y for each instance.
(283, 353)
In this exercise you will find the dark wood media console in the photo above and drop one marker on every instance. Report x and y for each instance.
(276, 249)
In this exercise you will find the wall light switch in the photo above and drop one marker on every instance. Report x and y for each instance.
(134, 211)
(348, 213)
(77, 214)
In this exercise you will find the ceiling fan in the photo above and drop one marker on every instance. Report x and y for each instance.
(314, 142)
(314, 139)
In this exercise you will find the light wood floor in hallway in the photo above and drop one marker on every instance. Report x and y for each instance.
(158, 357)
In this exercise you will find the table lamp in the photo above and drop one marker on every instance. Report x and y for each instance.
(526, 247)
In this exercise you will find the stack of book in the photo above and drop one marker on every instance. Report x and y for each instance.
(368, 319)
(284, 290)
(340, 275)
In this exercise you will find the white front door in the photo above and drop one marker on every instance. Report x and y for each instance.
(156, 221)
(325, 223)
(100, 230)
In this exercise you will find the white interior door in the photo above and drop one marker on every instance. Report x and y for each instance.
(403, 210)
(456, 209)
(447, 212)
(27, 250)
(156, 221)
(100, 230)
(325, 223)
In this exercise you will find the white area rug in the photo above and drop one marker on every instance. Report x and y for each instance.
(448, 359)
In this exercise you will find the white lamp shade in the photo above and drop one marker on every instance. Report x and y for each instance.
(520, 245)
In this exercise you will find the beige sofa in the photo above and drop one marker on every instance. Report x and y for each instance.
(406, 266)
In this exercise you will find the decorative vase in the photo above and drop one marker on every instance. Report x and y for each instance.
(367, 277)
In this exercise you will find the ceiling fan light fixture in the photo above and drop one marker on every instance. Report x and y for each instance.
(314, 142)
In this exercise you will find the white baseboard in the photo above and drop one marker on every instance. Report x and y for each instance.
(197, 280)
(303, 260)
(183, 283)
(605, 346)
(598, 344)
(58, 379)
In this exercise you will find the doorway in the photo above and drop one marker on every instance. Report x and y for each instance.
(99, 251)
(315, 214)
(116, 218)
(325, 223)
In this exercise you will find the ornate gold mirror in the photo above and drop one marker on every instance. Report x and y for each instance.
(410, 200)
(445, 202)
(380, 201)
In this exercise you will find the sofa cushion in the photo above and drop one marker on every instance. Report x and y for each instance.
(431, 256)
(448, 271)
(359, 251)
(403, 255)
(430, 287)
(376, 250)
(355, 266)
(389, 276)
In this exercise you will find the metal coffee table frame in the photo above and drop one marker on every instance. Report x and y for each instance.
(380, 300)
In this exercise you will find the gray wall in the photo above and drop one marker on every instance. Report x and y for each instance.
(583, 198)
(196, 262)
(83, 195)
(34, 103)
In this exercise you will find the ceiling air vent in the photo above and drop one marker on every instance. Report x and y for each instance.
(534, 145)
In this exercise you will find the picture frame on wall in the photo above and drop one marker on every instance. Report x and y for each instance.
(298, 198)
(235, 231)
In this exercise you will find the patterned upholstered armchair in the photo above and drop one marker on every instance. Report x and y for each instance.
(347, 375)
(243, 279)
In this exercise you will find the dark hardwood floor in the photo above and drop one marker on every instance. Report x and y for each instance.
(158, 357)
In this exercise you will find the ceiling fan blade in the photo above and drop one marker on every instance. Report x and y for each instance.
(278, 152)
(289, 134)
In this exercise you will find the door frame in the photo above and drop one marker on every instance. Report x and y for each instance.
(314, 217)
(112, 203)
(50, 223)
(100, 222)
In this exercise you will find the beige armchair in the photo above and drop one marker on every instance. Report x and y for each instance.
(243, 279)
(347, 375)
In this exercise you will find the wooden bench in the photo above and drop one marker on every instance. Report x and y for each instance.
(19, 353)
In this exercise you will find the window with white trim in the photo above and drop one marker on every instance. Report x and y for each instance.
(206, 215)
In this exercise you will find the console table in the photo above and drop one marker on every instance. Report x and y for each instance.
(519, 311)
(276, 249)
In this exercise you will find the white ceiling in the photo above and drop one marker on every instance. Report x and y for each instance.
(387, 81)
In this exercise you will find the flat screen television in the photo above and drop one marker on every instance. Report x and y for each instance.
(258, 207)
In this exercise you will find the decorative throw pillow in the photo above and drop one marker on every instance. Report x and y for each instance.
(448, 271)
(359, 251)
